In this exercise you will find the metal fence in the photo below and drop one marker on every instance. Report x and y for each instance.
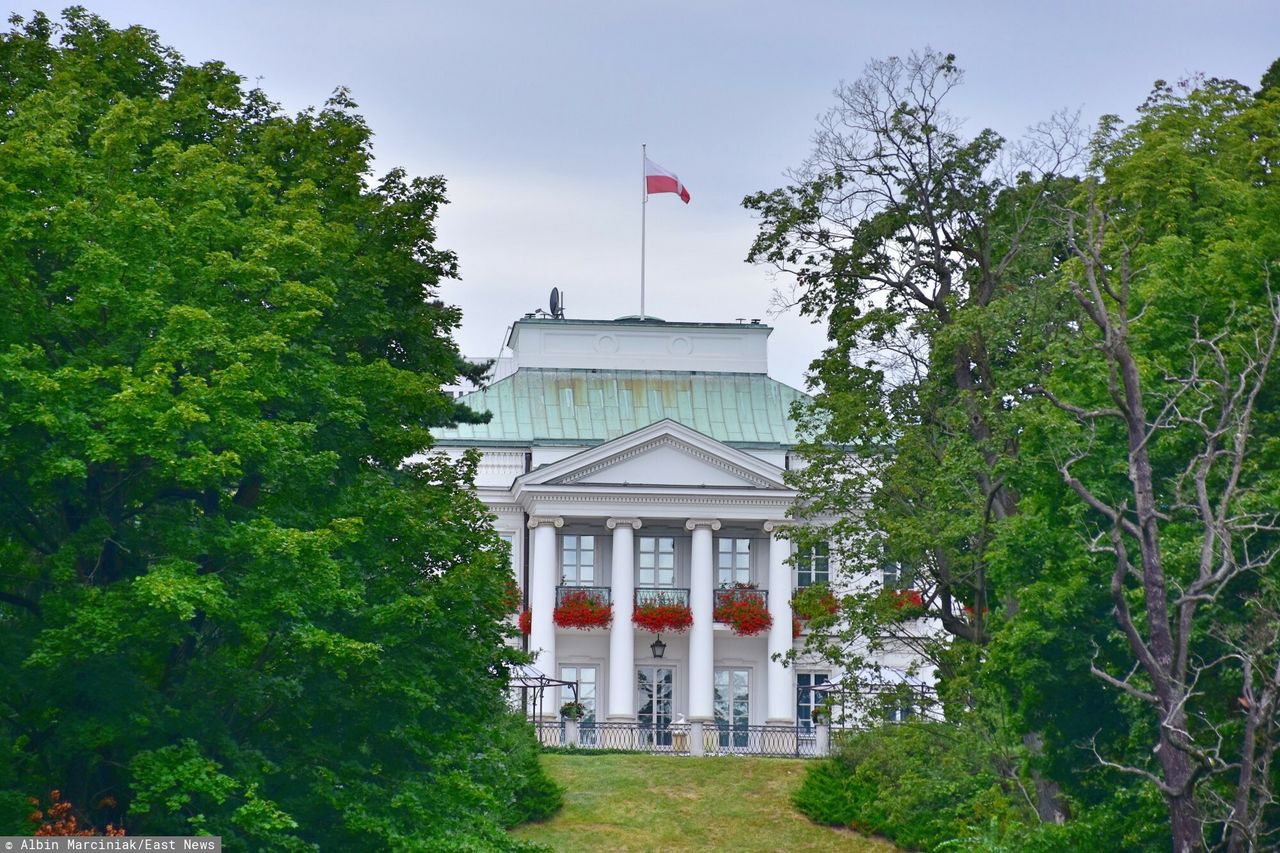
(723, 594)
(662, 595)
(769, 741)
(598, 594)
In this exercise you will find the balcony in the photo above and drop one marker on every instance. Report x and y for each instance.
(595, 594)
(723, 595)
(662, 595)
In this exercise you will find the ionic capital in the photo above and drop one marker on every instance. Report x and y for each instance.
(633, 523)
(695, 523)
(536, 521)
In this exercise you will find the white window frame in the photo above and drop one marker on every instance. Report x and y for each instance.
(809, 698)
(571, 559)
(651, 577)
(807, 572)
(738, 554)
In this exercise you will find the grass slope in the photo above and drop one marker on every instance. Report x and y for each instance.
(653, 802)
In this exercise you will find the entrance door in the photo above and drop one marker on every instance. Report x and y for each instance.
(653, 695)
(733, 706)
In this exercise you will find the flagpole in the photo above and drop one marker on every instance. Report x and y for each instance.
(644, 206)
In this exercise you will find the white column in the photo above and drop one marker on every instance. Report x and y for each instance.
(622, 636)
(542, 593)
(701, 637)
(782, 699)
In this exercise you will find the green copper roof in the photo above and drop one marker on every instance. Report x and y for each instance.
(546, 406)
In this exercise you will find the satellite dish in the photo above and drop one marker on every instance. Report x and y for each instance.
(557, 309)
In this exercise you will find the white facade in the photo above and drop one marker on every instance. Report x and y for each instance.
(589, 499)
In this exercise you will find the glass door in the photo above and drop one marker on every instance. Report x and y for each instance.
(733, 706)
(654, 701)
(586, 677)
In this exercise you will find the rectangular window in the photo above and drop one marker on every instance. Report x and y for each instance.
(657, 561)
(733, 561)
(807, 698)
(895, 576)
(813, 566)
(577, 560)
(586, 676)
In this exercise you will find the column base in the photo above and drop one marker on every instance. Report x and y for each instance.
(780, 721)
(619, 718)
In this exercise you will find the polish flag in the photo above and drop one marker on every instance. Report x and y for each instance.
(659, 180)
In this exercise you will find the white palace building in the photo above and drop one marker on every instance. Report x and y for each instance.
(631, 461)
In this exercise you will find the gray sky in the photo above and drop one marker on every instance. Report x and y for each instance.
(535, 113)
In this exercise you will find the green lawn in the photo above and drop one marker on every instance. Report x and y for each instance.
(653, 802)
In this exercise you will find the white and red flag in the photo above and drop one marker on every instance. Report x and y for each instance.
(659, 180)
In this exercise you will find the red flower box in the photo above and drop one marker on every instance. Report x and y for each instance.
(744, 611)
(796, 628)
(526, 622)
(907, 599)
(511, 596)
(582, 610)
(814, 602)
(656, 617)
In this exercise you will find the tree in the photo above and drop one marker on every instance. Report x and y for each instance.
(925, 252)
(1174, 250)
(226, 605)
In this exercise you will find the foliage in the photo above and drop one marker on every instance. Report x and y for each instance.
(227, 606)
(744, 611)
(659, 616)
(1049, 396)
(511, 596)
(815, 602)
(930, 786)
(583, 610)
(573, 710)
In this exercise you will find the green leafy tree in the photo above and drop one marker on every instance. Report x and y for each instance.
(925, 252)
(226, 604)
(1166, 433)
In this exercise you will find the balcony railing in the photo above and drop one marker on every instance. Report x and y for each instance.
(598, 594)
(662, 595)
(722, 594)
(676, 739)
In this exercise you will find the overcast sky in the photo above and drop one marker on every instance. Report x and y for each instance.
(535, 113)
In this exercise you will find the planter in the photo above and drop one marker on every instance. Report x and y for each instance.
(511, 597)
(656, 617)
(815, 602)
(907, 600)
(573, 711)
(582, 610)
(744, 611)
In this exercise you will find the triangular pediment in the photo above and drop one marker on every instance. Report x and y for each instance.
(663, 454)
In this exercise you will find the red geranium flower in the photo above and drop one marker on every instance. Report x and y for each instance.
(744, 611)
(581, 609)
(656, 617)
(526, 622)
